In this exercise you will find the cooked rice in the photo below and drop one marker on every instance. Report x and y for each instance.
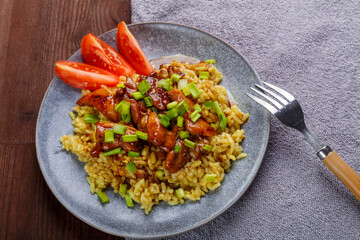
(225, 148)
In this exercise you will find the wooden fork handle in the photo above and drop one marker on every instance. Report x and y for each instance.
(344, 172)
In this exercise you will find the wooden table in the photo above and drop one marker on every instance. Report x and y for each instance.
(34, 35)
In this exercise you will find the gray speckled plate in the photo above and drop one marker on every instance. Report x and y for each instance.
(65, 174)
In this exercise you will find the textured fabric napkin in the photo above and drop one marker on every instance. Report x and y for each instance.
(312, 49)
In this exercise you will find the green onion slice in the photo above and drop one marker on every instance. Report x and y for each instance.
(130, 138)
(189, 143)
(138, 95)
(141, 135)
(175, 77)
(197, 108)
(210, 61)
(125, 111)
(165, 84)
(172, 105)
(164, 120)
(191, 87)
(144, 86)
(117, 107)
(177, 149)
(207, 147)
(223, 122)
(120, 129)
(120, 85)
(180, 121)
(103, 197)
(210, 177)
(133, 154)
(214, 126)
(204, 75)
(194, 116)
(184, 134)
(208, 104)
(160, 174)
(129, 201)
(171, 114)
(180, 193)
(131, 166)
(182, 83)
(123, 188)
(109, 136)
(91, 118)
(112, 152)
(182, 107)
(154, 109)
(148, 101)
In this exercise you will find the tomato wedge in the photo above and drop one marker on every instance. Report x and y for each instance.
(96, 52)
(84, 76)
(131, 50)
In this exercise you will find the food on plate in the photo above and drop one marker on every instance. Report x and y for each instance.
(158, 134)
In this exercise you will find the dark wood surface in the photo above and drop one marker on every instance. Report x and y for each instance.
(34, 35)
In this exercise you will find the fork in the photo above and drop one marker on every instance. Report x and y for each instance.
(288, 110)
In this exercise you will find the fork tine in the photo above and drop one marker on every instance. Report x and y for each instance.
(278, 105)
(262, 103)
(283, 101)
(287, 95)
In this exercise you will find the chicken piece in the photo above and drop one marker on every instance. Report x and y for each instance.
(159, 135)
(175, 161)
(198, 150)
(103, 100)
(200, 127)
(100, 136)
(158, 95)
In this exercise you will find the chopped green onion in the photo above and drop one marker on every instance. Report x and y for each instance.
(208, 104)
(191, 87)
(197, 108)
(186, 91)
(130, 138)
(142, 135)
(123, 188)
(164, 120)
(177, 149)
(120, 85)
(210, 61)
(189, 143)
(72, 115)
(207, 147)
(171, 114)
(103, 197)
(175, 77)
(133, 154)
(217, 108)
(109, 136)
(148, 101)
(144, 86)
(165, 84)
(180, 193)
(223, 122)
(182, 107)
(160, 174)
(138, 95)
(129, 201)
(180, 121)
(112, 152)
(154, 109)
(131, 166)
(214, 126)
(195, 116)
(210, 177)
(120, 129)
(125, 111)
(91, 118)
(184, 134)
(182, 83)
(172, 105)
(117, 107)
(204, 75)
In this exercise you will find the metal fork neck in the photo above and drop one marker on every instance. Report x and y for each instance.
(314, 142)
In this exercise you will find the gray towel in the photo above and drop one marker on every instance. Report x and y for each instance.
(311, 49)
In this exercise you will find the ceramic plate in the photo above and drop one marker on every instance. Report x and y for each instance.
(65, 175)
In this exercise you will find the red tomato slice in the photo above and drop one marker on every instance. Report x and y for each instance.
(131, 50)
(84, 76)
(96, 52)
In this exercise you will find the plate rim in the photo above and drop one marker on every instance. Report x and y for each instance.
(200, 223)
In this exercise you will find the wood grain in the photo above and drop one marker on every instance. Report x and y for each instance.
(34, 35)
